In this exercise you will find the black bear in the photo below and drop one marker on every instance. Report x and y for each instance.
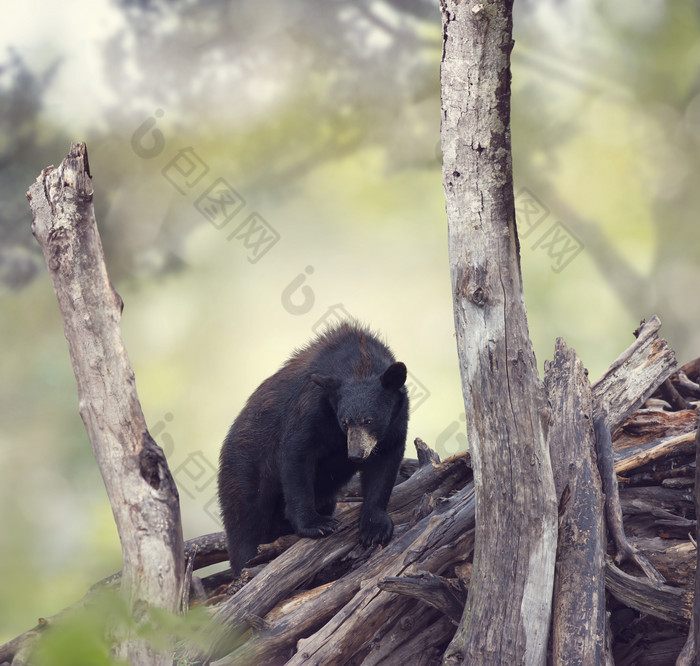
(336, 406)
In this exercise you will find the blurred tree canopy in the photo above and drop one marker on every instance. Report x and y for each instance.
(272, 90)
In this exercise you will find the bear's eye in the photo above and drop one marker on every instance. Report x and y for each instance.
(345, 424)
(368, 421)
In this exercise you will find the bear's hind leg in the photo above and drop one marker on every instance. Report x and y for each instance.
(240, 550)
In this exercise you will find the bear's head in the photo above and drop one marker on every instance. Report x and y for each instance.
(365, 407)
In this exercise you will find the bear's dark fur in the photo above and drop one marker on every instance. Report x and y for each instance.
(337, 406)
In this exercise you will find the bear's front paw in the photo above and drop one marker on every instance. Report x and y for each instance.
(319, 526)
(375, 528)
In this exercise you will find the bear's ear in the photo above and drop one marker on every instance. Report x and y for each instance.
(326, 382)
(394, 377)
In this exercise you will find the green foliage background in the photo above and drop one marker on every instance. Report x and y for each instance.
(325, 117)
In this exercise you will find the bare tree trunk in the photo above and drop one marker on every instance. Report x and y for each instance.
(141, 490)
(508, 611)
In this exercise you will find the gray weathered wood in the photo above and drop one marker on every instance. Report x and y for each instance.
(687, 655)
(578, 613)
(302, 561)
(141, 490)
(507, 616)
(634, 375)
(350, 610)
(662, 601)
(613, 509)
(413, 639)
(442, 593)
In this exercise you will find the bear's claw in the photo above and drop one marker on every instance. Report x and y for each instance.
(376, 530)
(324, 526)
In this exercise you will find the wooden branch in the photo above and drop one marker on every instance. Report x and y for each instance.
(692, 369)
(674, 558)
(444, 594)
(662, 601)
(679, 443)
(670, 393)
(686, 384)
(507, 617)
(578, 614)
(141, 490)
(345, 632)
(613, 510)
(353, 597)
(426, 455)
(648, 427)
(634, 376)
(207, 549)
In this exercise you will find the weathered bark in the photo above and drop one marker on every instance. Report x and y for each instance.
(662, 504)
(346, 613)
(662, 601)
(654, 451)
(431, 548)
(613, 509)
(687, 655)
(442, 593)
(141, 490)
(686, 384)
(647, 428)
(578, 613)
(413, 640)
(634, 375)
(507, 616)
(674, 559)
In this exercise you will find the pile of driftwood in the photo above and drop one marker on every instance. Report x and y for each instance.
(655, 460)
(330, 601)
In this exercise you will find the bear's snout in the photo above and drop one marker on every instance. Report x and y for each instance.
(360, 444)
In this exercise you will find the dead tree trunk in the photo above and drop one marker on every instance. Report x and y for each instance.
(141, 490)
(578, 614)
(507, 616)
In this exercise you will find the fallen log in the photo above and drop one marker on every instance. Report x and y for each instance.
(435, 542)
(427, 545)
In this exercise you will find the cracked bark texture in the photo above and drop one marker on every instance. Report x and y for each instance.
(507, 616)
(578, 614)
(141, 490)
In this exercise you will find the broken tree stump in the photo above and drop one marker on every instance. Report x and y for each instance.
(578, 613)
